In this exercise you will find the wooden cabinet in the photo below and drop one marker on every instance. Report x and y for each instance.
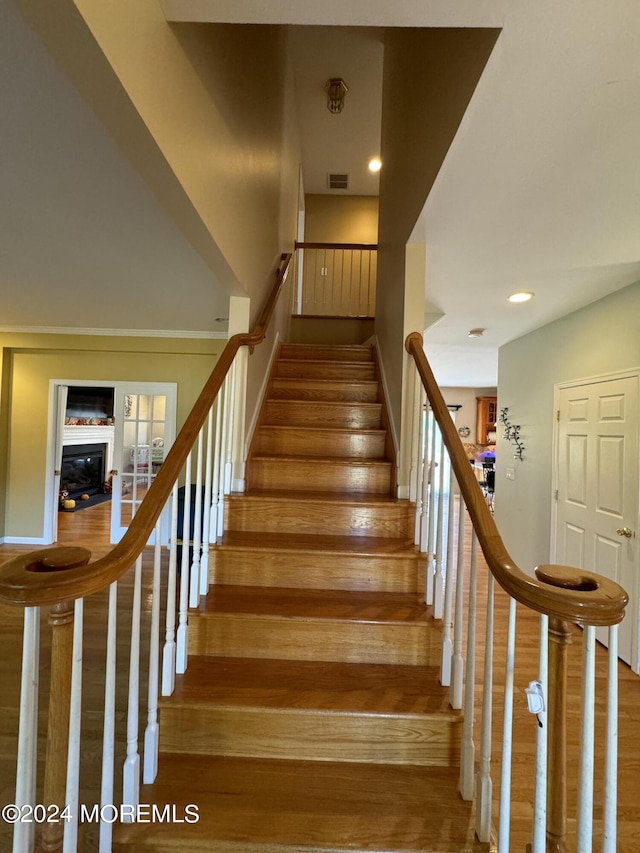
(486, 417)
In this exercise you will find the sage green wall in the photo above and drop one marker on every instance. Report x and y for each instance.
(30, 361)
(602, 338)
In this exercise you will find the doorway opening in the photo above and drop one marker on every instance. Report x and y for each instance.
(106, 442)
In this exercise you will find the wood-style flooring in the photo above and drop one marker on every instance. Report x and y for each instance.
(90, 528)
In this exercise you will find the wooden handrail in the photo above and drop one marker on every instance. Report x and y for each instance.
(354, 246)
(568, 593)
(59, 574)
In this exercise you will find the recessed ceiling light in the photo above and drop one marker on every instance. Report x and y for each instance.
(375, 164)
(475, 333)
(521, 296)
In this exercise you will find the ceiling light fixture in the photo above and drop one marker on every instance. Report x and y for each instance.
(336, 90)
(375, 164)
(521, 296)
(475, 333)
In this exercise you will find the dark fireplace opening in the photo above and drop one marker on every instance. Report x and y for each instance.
(83, 469)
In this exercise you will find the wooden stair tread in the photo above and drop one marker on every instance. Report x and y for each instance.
(346, 545)
(323, 429)
(345, 497)
(320, 460)
(327, 352)
(273, 806)
(290, 381)
(330, 405)
(355, 606)
(315, 686)
(333, 362)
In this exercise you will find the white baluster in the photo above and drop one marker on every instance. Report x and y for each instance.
(230, 408)
(584, 827)
(447, 618)
(182, 646)
(131, 772)
(429, 536)
(152, 732)
(468, 749)
(611, 749)
(23, 832)
(415, 440)
(169, 649)
(457, 663)
(484, 786)
(539, 838)
(426, 417)
(194, 577)
(422, 472)
(504, 823)
(438, 590)
(70, 843)
(216, 506)
(206, 515)
(109, 727)
(224, 401)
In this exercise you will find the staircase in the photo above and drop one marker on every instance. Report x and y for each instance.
(311, 717)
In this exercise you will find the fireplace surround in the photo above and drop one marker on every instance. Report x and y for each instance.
(83, 469)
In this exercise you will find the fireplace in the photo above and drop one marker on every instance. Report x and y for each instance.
(83, 469)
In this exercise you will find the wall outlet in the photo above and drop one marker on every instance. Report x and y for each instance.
(511, 473)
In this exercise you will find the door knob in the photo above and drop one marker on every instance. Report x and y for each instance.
(624, 531)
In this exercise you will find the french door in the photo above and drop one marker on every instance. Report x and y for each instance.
(145, 422)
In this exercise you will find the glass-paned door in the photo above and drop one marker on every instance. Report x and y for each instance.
(145, 429)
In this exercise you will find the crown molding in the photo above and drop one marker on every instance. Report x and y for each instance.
(117, 333)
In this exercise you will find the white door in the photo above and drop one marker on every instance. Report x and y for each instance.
(145, 422)
(60, 407)
(597, 505)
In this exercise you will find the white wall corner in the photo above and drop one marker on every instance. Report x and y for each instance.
(261, 395)
(385, 389)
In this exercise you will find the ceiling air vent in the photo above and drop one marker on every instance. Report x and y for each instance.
(337, 181)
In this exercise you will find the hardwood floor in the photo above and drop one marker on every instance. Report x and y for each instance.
(255, 797)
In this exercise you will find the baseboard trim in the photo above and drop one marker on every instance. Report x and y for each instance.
(24, 540)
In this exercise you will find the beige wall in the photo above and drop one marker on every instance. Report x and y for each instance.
(602, 338)
(203, 111)
(340, 219)
(213, 98)
(429, 78)
(206, 113)
(30, 361)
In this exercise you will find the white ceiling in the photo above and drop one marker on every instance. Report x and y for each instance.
(540, 188)
(344, 142)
